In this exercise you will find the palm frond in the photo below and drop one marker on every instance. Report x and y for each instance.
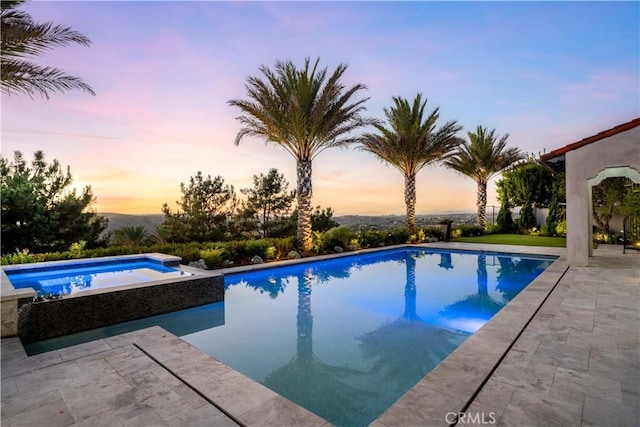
(22, 37)
(304, 110)
(411, 140)
(30, 79)
(484, 156)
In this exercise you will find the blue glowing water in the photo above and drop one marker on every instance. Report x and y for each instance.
(346, 338)
(72, 278)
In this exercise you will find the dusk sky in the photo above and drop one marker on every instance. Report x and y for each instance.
(547, 73)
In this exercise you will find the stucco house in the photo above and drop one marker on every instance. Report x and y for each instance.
(611, 153)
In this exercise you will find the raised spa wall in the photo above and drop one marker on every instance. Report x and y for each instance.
(38, 320)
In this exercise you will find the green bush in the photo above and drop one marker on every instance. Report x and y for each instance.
(433, 232)
(504, 221)
(493, 229)
(338, 236)
(188, 254)
(259, 248)
(370, 239)
(213, 257)
(527, 219)
(469, 231)
(396, 236)
(284, 246)
(418, 237)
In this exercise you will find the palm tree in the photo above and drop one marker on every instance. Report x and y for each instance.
(481, 159)
(130, 236)
(410, 143)
(305, 111)
(21, 37)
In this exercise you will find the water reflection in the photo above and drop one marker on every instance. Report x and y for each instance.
(375, 338)
(307, 379)
(512, 271)
(271, 285)
(406, 349)
(445, 260)
(64, 285)
(474, 310)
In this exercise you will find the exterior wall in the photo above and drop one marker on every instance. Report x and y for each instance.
(585, 167)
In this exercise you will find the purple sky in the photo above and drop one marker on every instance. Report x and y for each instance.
(547, 73)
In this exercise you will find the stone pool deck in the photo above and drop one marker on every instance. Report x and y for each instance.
(566, 353)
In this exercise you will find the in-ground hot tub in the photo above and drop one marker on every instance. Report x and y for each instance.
(62, 297)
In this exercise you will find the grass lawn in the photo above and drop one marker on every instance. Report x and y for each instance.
(515, 239)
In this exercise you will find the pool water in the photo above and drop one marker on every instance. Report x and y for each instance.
(71, 279)
(346, 338)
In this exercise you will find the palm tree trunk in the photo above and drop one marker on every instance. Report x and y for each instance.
(482, 204)
(410, 201)
(303, 169)
(304, 317)
(483, 279)
(410, 291)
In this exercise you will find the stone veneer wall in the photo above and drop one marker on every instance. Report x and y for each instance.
(52, 318)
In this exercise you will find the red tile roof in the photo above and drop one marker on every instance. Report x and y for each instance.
(597, 137)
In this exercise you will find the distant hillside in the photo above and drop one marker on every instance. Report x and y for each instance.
(380, 222)
(117, 220)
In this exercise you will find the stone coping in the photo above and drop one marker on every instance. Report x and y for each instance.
(238, 396)
(9, 293)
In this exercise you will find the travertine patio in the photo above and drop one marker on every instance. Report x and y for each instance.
(566, 353)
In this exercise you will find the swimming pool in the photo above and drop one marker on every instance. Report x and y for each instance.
(346, 338)
(71, 278)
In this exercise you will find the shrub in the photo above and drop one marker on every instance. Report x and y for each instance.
(433, 232)
(19, 257)
(270, 253)
(419, 237)
(236, 249)
(396, 236)
(369, 239)
(337, 236)
(492, 229)
(284, 246)
(468, 231)
(213, 257)
(188, 254)
(504, 221)
(527, 219)
(317, 241)
(257, 247)
(561, 228)
(77, 249)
